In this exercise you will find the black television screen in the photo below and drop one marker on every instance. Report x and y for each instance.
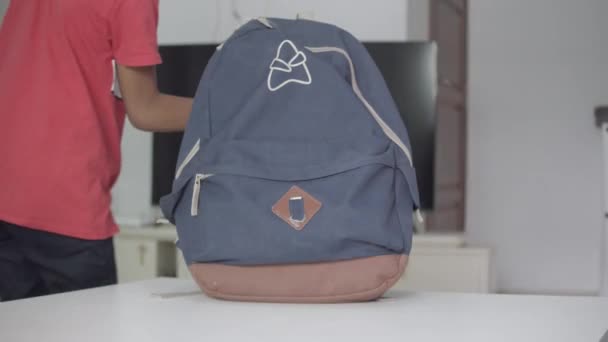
(409, 70)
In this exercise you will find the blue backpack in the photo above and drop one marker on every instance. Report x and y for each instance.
(295, 180)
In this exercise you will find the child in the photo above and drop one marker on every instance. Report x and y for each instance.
(60, 131)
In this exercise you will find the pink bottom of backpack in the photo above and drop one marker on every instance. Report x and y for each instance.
(354, 280)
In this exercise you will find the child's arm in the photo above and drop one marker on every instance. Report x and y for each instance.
(147, 108)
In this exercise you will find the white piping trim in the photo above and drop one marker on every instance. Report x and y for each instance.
(264, 22)
(188, 158)
(385, 128)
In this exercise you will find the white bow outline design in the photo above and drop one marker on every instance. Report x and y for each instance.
(279, 65)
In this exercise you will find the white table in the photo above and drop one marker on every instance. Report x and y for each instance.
(172, 310)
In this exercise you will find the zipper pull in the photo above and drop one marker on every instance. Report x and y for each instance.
(197, 192)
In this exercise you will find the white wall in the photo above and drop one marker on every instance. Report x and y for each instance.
(537, 70)
(418, 20)
(194, 21)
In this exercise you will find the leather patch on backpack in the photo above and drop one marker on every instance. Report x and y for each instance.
(296, 207)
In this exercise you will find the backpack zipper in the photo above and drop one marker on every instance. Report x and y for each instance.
(196, 192)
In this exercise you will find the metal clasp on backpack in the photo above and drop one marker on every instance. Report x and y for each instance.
(297, 214)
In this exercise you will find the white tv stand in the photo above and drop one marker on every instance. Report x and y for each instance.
(438, 262)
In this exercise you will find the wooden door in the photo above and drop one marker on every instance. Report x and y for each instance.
(448, 28)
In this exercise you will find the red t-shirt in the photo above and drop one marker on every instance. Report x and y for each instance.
(60, 125)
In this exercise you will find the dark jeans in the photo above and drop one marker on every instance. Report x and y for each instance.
(35, 263)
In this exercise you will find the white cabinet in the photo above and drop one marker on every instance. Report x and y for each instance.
(442, 262)
(448, 269)
(437, 262)
(144, 253)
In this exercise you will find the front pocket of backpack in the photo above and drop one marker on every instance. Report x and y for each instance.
(234, 219)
